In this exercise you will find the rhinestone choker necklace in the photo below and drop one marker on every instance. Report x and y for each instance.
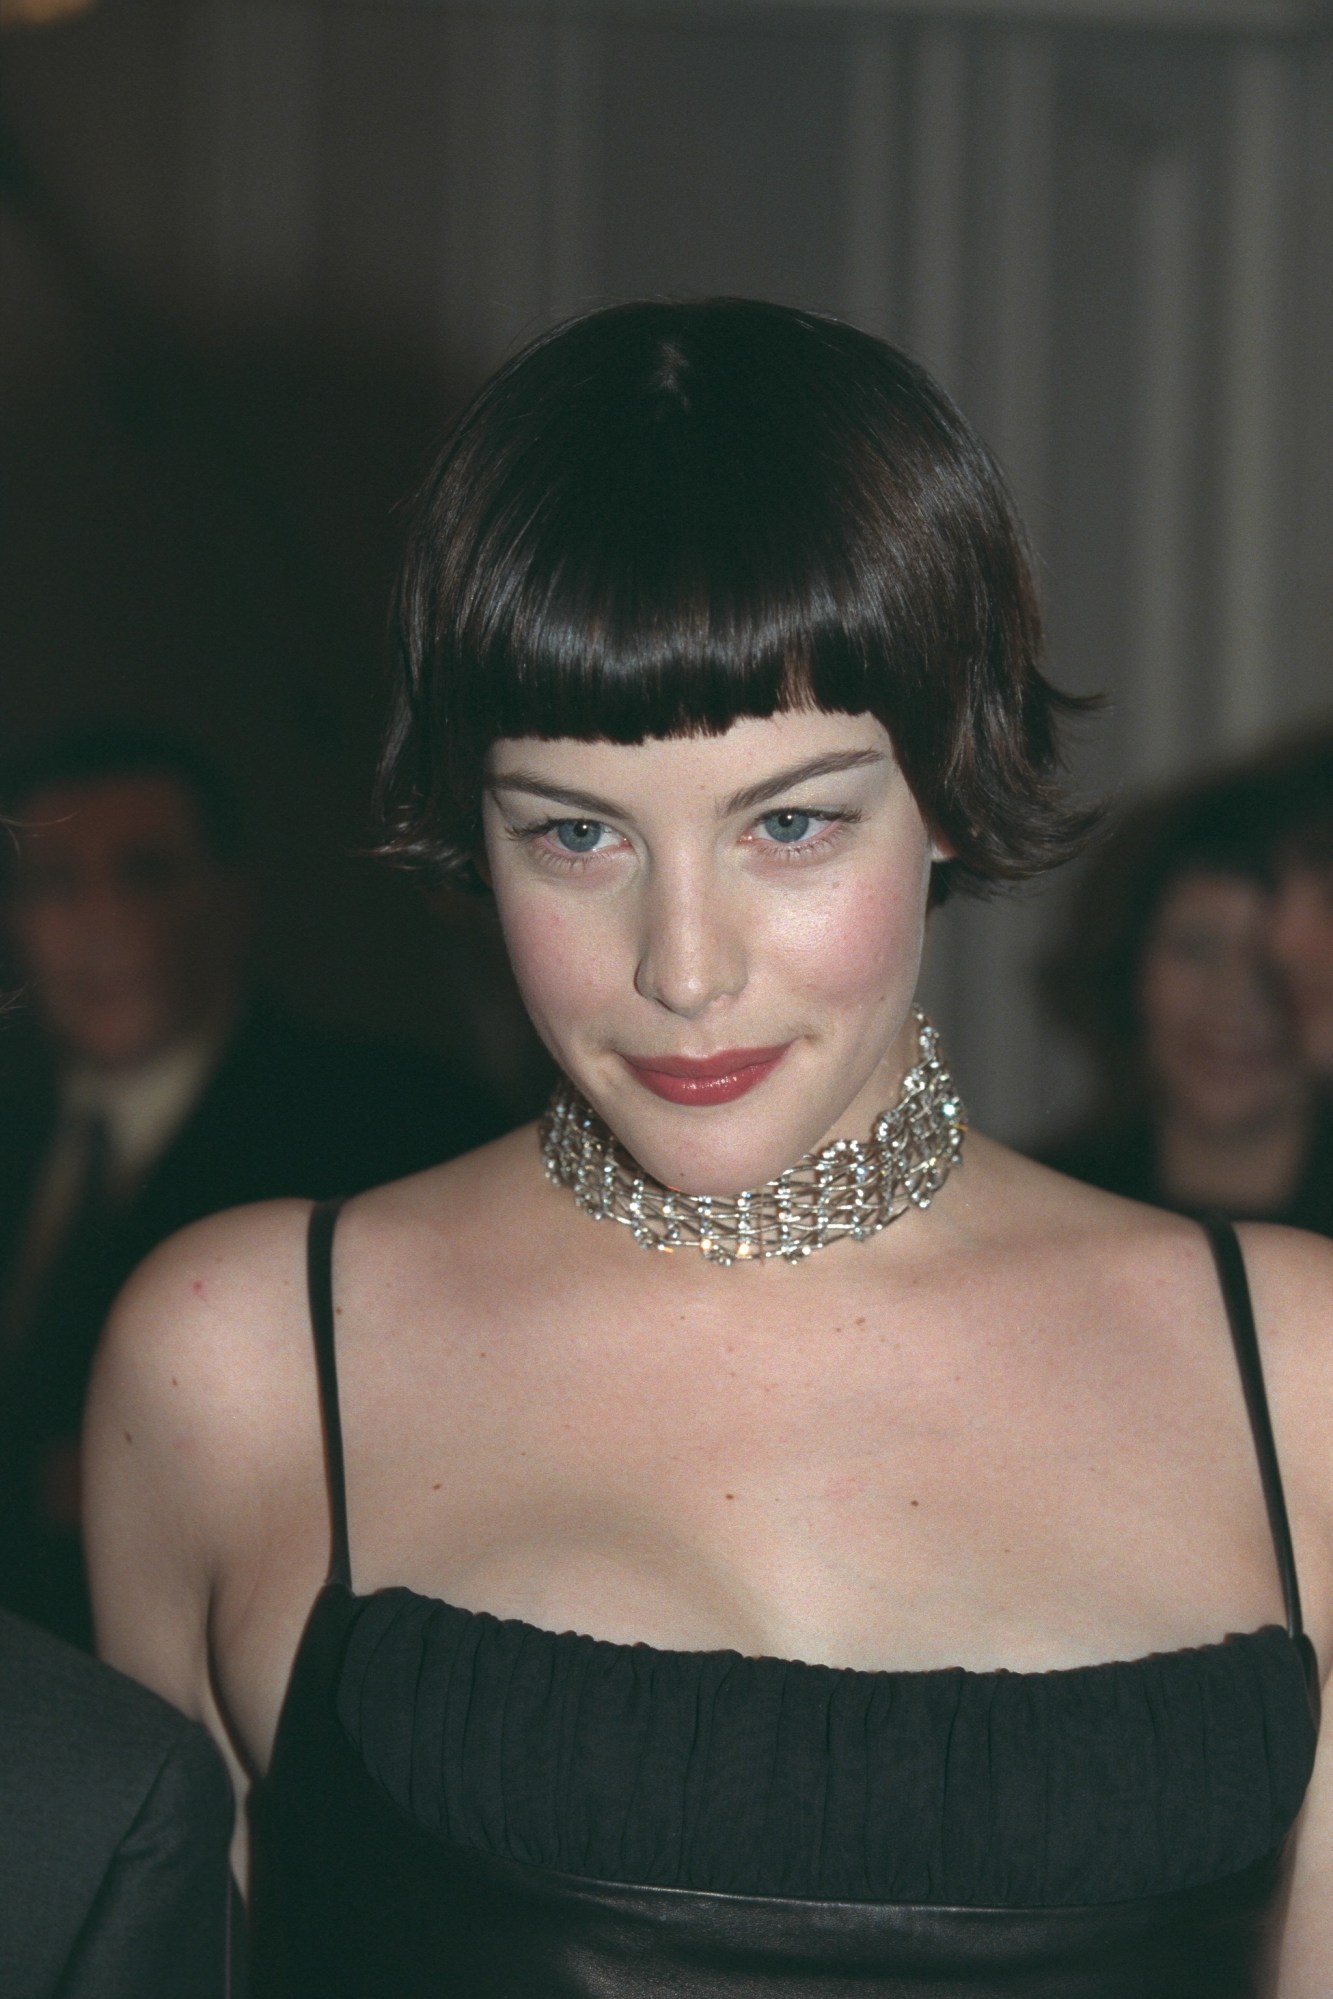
(853, 1187)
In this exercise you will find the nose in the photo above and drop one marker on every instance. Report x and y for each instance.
(692, 951)
(109, 915)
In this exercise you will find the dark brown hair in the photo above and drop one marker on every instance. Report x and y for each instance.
(1293, 784)
(1218, 826)
(665, 516)
(92, 752)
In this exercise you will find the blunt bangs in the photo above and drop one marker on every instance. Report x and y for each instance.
(662, 518)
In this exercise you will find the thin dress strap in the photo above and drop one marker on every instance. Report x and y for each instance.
(319, 1272)
(1235, 1284)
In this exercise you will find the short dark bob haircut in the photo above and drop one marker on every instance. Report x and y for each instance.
(664, 516)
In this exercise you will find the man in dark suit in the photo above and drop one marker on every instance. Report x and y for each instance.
(149, 1087)
(115, 1820)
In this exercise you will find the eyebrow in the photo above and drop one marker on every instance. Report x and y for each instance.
(740, 801)
(787, 780)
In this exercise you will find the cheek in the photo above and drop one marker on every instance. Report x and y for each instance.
(1167, 996)
(48, 939)
(859, 943)
(158, 942)
(562, 969)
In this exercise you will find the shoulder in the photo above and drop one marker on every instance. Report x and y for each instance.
(207, 1305)
(1291, 1284)
(202, 1451)
(1139, 1279)
(1041, 1213)
(207, 1368)
(1290, 1274)
(215, 1324)
(203, 1391)
(470, 1224)
(1290, 1278)
(1291, 1270)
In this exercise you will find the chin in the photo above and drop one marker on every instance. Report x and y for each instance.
(710, 1159)
(117, 1044)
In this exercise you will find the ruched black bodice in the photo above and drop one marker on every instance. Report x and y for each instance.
(462, 1804)
(705, 1770)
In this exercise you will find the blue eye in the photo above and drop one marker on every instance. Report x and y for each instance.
(578, 836)
(787, 827)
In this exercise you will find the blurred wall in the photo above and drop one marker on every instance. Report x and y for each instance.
(271, 242)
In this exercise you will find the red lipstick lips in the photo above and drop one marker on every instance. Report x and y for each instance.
(716, 1079)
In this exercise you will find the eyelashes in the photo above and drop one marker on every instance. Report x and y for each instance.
(560, 858)
(830, 829)
(572, 846)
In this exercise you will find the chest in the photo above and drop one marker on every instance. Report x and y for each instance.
(870, 1484)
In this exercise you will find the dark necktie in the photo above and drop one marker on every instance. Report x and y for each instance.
(48, 1283)
(54, 1312)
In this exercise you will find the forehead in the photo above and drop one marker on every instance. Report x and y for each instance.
(108, 816)
(1209, 895)
(703, 767)
(1311, 863)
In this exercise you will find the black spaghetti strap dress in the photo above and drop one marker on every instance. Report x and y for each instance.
(461, 1806)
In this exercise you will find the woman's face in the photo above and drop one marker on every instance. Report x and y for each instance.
(1218, 1039)
(717, 937)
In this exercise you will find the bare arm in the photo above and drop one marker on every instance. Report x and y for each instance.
(1307, 1954)
(1291, 1277)
(188, 1452)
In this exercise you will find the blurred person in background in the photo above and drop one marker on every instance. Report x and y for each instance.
(1205, 1102)
(116, 1819)
(153, 1086)
(1296, 788)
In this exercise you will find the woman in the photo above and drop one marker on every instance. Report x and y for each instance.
(1204, 1103)
(718, 649)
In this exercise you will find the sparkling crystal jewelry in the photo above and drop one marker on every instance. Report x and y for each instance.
(853, 1187)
